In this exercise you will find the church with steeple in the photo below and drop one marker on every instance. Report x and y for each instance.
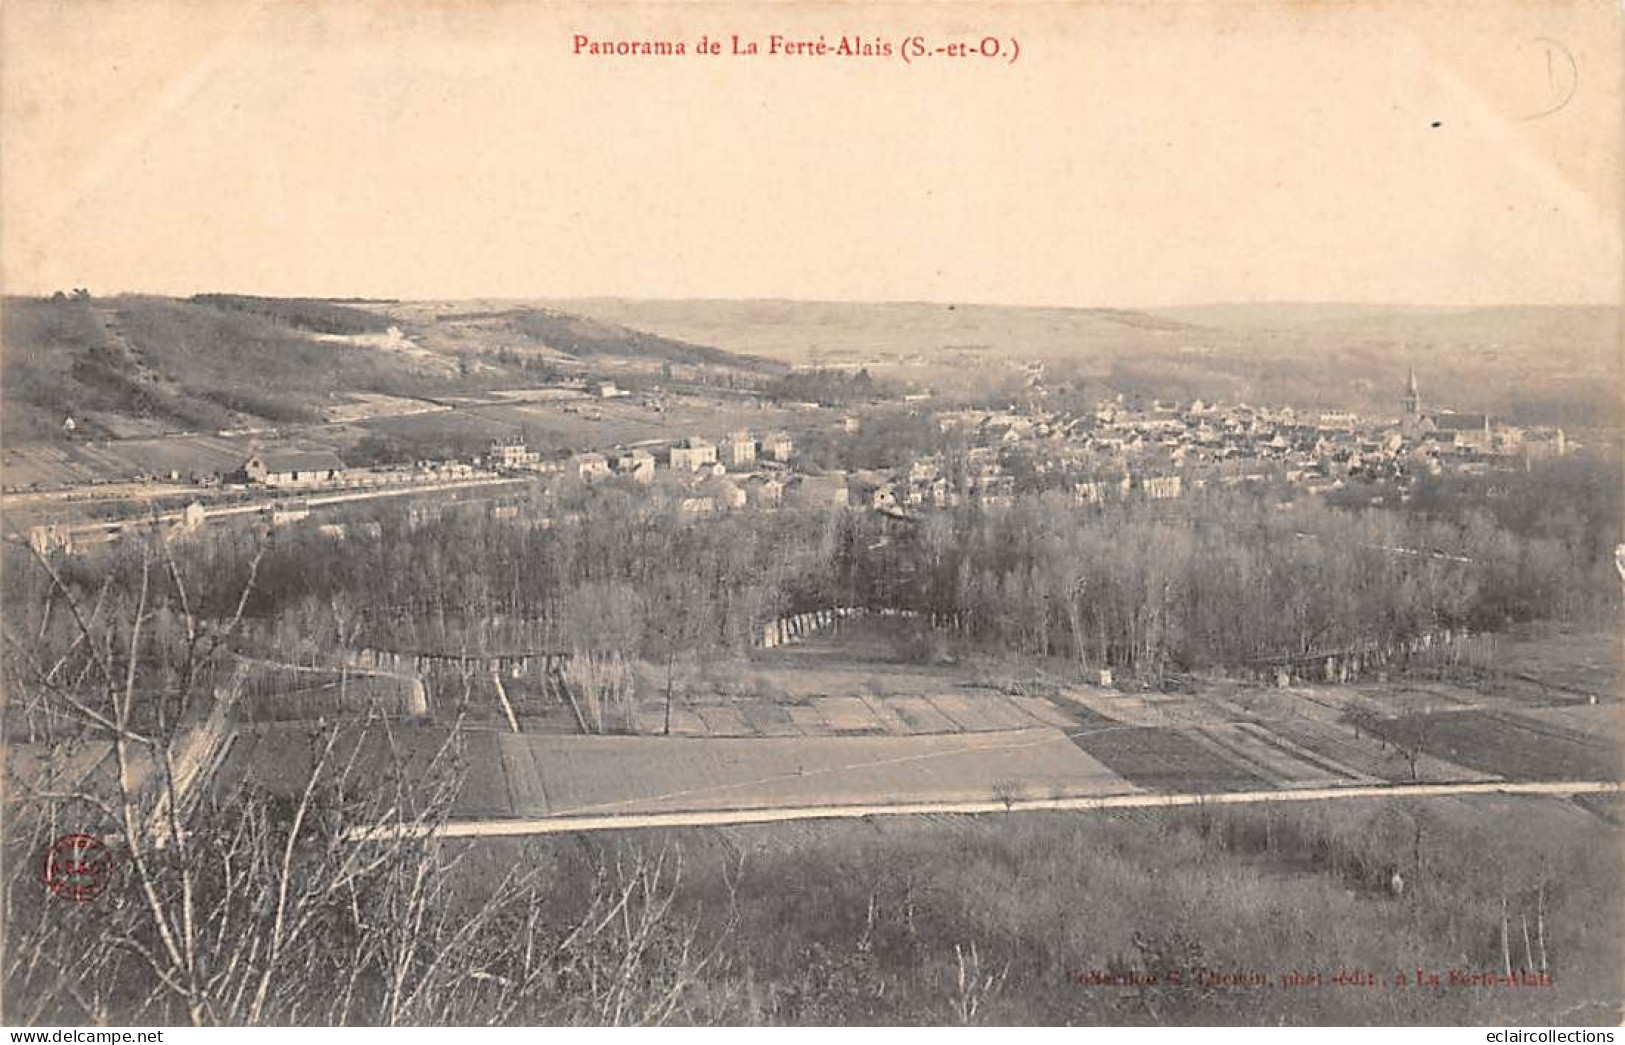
(1410, 406)
(1473, 432)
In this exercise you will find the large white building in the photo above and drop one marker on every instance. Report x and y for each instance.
(513, 454)
(294, 469)
(692, 454)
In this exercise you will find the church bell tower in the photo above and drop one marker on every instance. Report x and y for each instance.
(1411, 402)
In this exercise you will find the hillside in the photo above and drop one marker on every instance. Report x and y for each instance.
(143, 365)
(584, 338)
(318, 317)
(138, 366)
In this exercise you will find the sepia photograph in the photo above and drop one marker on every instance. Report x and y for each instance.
(782, 514)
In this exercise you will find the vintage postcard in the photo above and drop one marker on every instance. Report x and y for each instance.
(771, 514)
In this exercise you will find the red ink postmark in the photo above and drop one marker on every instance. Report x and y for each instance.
(78, 867)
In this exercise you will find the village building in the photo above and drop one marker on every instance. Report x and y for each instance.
(1338, 420)
(993, 490)
(639, 464)
(443, 471)
(1541, 444)
(1162, 487)
(723, 494)
(1469, 432)
(778, 446)
(512, 454)
(924, 469)
(692, 454)
(287, 514)
(590, 467)
(738, 451)
(933, 492)
(764, 491)
(874, 489)
(818, 491)
(294, 469)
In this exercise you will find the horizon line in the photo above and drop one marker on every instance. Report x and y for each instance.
(783, 299)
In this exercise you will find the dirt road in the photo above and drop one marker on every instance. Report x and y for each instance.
(1088, 803)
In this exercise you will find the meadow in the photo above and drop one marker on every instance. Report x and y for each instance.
(1004, 919)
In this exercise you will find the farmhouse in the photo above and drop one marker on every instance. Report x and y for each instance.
(294, 469)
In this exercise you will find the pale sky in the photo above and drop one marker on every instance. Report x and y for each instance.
(1135, 154)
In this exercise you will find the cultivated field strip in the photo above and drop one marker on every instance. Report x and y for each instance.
(555, 775)
(886, 715)
(1363, 754)
(1602, 722)
(1272, 763)
(922, 716)
(847, 714)
(1167, 760)
(1045, 712)
(770, 720)
(527, 795)
(1515, 748)
(721, 720)
(1336, 770)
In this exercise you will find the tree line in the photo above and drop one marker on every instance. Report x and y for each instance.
(1219, 578)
